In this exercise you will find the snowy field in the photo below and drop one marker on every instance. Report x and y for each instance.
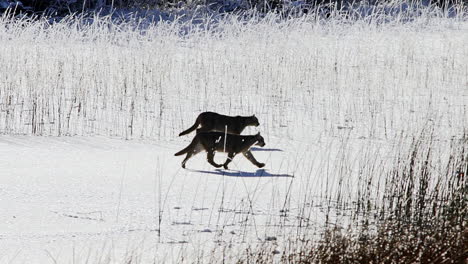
(89, 118)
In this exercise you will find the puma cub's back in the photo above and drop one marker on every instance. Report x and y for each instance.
(219, 141)
(210, 121)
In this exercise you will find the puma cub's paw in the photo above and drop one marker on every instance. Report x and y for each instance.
(261, 165)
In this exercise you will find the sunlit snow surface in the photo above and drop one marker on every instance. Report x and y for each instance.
(336, 103)
(64, 195)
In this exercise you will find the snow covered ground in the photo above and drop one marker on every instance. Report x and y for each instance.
(337, 103)
(71, 196)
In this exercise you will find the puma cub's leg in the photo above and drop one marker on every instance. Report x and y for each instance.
(229, 159)
(186, 158)
(210, 157)
(252, 159)
(198, 148)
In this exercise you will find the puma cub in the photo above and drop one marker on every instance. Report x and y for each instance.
(210, 121)
(218, 141)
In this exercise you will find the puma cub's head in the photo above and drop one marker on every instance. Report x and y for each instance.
(253, 121)
(260, 140)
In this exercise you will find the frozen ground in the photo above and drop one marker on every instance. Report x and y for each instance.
(108, 200)
(337, 103)
(65, 198)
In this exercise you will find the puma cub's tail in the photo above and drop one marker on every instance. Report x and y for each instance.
(189, 148)
(182, 152)
(192, 128)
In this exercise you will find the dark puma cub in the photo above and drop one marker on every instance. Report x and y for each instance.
(215, 141)
(210, 121)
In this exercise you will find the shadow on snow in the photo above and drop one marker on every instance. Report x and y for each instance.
(229, 173)
(265, 149)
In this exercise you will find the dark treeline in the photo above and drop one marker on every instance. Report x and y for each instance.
(62, 7)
